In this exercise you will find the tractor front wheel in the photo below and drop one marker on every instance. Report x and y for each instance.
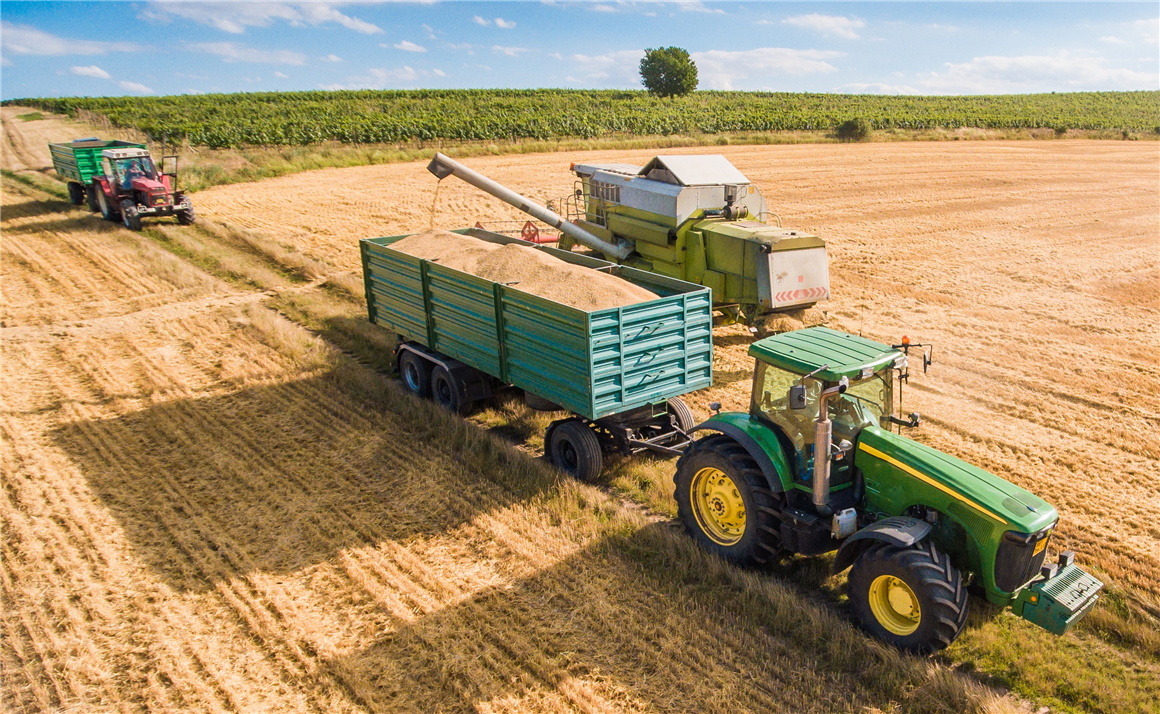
(912, 598)
(725, 503)
(186, 216)
(129, 215)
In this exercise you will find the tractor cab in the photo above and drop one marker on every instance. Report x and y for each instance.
(130, 170)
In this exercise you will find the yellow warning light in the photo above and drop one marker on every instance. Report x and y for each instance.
(905, 340)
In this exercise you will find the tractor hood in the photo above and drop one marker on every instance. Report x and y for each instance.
(147, 185)
(979, 491)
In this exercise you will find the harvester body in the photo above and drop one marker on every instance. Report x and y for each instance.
(885, 502)
(700, 219)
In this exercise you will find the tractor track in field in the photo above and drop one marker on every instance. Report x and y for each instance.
(212, 501)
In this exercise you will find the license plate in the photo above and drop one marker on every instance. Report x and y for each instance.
(1040, 546)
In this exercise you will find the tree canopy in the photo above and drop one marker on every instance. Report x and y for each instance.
(668, 71)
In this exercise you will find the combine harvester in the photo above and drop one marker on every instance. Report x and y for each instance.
(695, 218)
(120, 180)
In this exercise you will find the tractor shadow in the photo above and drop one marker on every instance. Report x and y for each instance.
(278, 478)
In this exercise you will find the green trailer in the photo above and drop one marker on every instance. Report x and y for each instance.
(79, 162)
(619, 372)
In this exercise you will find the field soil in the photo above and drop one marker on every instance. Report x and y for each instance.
(214, 501)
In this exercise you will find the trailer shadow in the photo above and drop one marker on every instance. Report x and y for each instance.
(277, 478)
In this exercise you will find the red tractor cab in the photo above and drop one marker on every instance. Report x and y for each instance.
(132, 187)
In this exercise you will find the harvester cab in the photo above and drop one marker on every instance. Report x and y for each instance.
(813, 467)
(695, 218)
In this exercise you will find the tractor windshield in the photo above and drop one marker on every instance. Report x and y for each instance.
(135, 168)
(863, 404)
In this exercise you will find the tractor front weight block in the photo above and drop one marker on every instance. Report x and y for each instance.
(1059, 601)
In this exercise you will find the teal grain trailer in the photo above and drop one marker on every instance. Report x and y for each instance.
(618, 371)
(79, 162)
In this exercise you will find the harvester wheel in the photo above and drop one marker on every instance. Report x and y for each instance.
(108, 212)
(129, 215)
(682, 414)
(91, 196)
(574, 449)
(76, 193)
(415, 373)
(725, 503)
(911, 597)
(445, 391)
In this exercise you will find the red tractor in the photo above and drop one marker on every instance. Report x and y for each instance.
(132, 187)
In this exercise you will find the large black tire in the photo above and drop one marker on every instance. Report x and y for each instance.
(683, 416)
(574, 449)
(415, 374)
(924, 616)
(76, 193)
(186, 216)
(91, 197)
(108, 211)
(129, 215)
(725, 503)
(445, 391)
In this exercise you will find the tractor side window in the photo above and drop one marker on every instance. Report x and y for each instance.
(874, 395)
(771, 401)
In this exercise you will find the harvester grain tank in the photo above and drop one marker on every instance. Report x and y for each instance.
(814, 467)
(695, 218)
(120, 180)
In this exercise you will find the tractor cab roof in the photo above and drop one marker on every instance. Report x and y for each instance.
(803, 351)
(124, 153)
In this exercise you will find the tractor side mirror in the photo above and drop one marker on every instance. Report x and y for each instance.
(927, 360)
(915, 419)
(715, 407)
(797, 396)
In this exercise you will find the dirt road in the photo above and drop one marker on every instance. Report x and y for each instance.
(208, 507)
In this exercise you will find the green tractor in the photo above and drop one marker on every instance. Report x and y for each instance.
(815, 467)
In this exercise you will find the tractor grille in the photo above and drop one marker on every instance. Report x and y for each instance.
(1017, 561)
(159, 199)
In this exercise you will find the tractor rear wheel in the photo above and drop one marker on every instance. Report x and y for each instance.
(912, 598)
(725, 503)
(108, 212)
(574, 449)
(415, 373)
(76, 193)
(129, 215)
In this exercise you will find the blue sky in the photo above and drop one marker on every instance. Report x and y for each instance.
(144, 48)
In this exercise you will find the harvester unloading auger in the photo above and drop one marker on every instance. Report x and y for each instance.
(695, 218)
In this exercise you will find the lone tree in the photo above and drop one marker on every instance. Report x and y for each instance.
(668, 72)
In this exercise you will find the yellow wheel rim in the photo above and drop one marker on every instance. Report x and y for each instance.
(718, 506)
(894, 605)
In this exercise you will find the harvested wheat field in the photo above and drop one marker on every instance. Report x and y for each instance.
(212, 500)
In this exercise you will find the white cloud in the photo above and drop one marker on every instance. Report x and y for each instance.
(438, 73)
(603, 8)
(91, 71)
(134, 87)
(331, 58)
(1150, 29)
(410, 47)
(509, 51)
(556, 55)
(480, 21)
(1111, 40)
(828, 24)
(721, 69)
(1064, 71)
(279, 75)
(504, 24)
(233, 52)
(386, 78)
(27, 40)
(235, 17)
(613, 69)
(430, 32)
(694, 6)
(874, 88)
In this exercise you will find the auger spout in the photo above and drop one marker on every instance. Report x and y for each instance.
(443, 167)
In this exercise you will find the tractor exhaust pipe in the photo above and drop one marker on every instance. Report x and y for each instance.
(823, 438)
(443, 167)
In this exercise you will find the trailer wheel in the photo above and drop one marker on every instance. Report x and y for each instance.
(107, 211)
(682, 415)
(725, 503)
(574, 449)
(415, 374)
(129, 215)
(91, 196)
(76, 193)
(446, 393)
(912, 598)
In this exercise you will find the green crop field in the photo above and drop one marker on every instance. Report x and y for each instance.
(297, 118)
